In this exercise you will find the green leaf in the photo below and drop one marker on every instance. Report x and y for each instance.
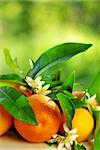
(69, 82)
(11, 62)
(17, 105)
(56, 55)
(94, 87)
(51, 78)
(96, 113)
(97, 140)
(47, 78)
(67, 107)
(78, 146)
(12, 78)
(75, 101)
(78, 103)
(70, 95)
(53, 95)
(31, 63)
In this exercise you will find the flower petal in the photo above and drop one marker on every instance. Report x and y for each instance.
(38, 79)
(29, 80)
(66, 129)
(73, 137)
(47, 92)
(73, 131)
(31, 63)
(92, 98)
(51, 141)
(60, 145)
(68, 146)
(46, 86)
(55, 136)
(42, 82)
(64, 148)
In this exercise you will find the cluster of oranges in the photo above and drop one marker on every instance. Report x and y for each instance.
(50, 119)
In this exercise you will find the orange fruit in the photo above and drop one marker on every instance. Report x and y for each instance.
(48, 117)
(22, 89)
(5, 120)
(84, 123)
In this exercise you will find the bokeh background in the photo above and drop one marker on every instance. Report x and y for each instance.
(28, 28)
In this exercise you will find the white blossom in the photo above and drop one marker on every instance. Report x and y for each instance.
(37, 85)
(65, 142)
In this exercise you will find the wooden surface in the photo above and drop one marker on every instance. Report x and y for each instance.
(11, 141)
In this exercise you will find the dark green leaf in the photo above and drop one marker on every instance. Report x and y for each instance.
(56, 55)
(53, 95)
(94, 87)
(11, 62)
(47, 78)
(11, 78)
(69, 82)
(17, 105)
(78, 146)
(52, 78)
(78, 103)
(67, 107)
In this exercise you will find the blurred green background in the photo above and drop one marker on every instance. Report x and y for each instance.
(29, 28)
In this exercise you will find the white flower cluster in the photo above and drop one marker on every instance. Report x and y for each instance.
(65, 142)
(90, 101)
(37, 85)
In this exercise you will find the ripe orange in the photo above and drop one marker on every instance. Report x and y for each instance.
(5, 120)
(84, 123)
(22, 89)
(48, 117)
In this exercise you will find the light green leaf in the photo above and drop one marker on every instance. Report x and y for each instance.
(12, 64)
